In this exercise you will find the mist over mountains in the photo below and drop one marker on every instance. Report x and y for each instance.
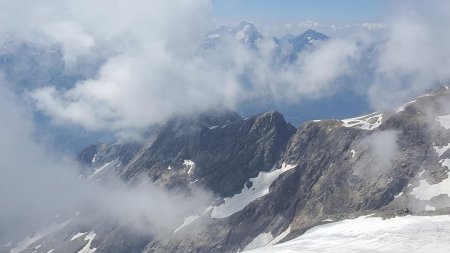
(153, 126)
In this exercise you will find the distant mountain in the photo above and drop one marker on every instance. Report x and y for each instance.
(289, 46)
(273, 182)
(245, 32)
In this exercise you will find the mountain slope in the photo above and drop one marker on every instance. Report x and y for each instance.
(272, 182)
(372, 234)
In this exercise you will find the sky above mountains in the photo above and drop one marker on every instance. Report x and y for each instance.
(146, 62)
(287, 11)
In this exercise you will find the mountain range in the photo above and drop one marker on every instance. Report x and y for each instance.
(273, 182)
(29, 66)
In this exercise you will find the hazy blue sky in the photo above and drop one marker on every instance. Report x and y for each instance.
(327, 11)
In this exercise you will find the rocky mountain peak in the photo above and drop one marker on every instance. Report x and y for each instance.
(245, 33)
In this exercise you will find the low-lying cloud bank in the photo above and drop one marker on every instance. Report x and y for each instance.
(154, 65)
(37, 186)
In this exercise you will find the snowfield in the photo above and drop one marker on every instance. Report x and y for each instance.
(260, 187)
(372, 234)
(367, 122)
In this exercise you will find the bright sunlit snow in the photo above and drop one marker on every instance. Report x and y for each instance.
(189, 164)
(444, 121)
(367, 122)
(369, 234)
(87, 248)
(403, 107)
(441, 150)
(260, 241)
(426, 191)
(260, 187)
(78, 235)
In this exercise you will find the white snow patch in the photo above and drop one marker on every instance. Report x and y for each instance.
(429, 208)
(353, 153)
(51, 251)
(213, 127)
(398, 195)
(191, 219)
(22, 245)
(260, 187)
(214, 36)
(403, 107)
(193, 182)
(259, 241)
(87, 248)
(372, 234)
(37, 247)
(280, 237)
(78, 235)
(189, 164)
(421, 173)
(444, 121)
(426, 191)
(441, 150)
(367, 122)
(93, 159)
(101, 168)
(169, 168)
(98, 170)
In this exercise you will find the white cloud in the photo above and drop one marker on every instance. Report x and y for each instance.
(381, 149)
(36, 185)
(415, 54)
(153, 66)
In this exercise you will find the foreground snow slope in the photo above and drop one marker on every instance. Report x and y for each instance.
(372, 234)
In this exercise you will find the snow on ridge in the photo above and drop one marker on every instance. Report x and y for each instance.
(191, 219)
(444, 121)
(364, 122)
(87, 248)
(26, 242)
(430, 208)
(426, 191)
(189, 164)
(214, 36)
(260, 187)
(260, 241)
(403, 107)
(372, 234)
(441, 150)
(280, 237)
(78, 235)
(98, 170)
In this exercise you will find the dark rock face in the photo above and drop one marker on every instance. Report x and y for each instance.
(329, 169)
(225, 155)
